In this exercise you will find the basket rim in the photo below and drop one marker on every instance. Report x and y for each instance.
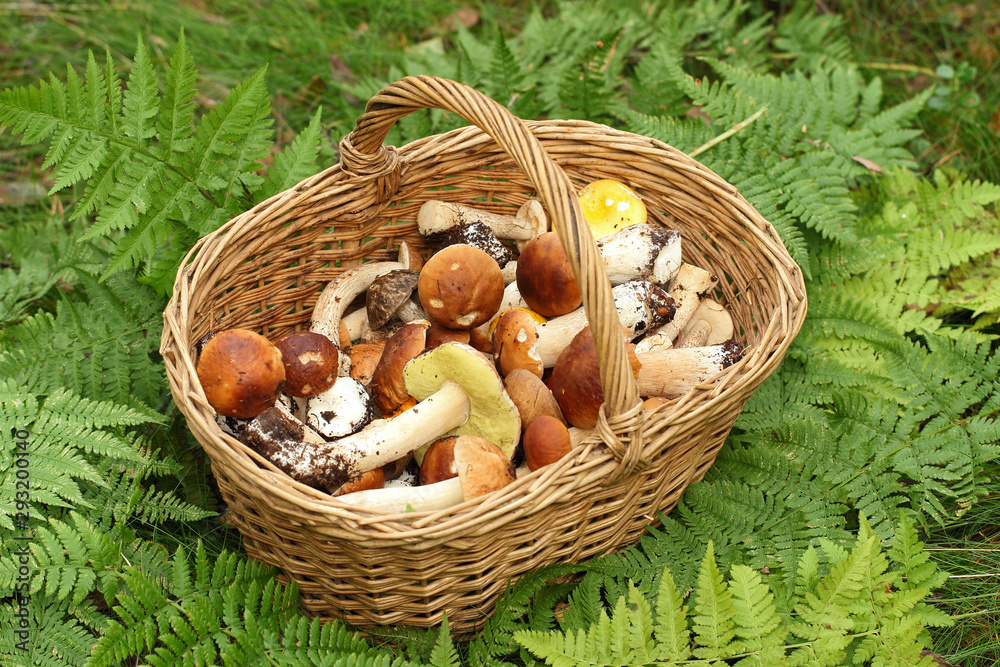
(526, 493)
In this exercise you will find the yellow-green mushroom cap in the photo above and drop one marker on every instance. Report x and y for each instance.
(493, 414)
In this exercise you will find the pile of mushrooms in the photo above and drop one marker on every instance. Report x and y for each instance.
(459, 368)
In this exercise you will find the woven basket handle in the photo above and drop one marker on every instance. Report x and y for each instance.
(363, 151)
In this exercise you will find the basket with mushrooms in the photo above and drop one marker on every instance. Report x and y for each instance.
(471, 346)
(428, 370)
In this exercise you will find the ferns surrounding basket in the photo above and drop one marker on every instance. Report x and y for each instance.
(883, 405)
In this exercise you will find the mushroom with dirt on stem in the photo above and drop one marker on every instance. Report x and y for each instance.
(439, 216)
(641, 306)
(641, 252)
(307, 457)
(690, 285)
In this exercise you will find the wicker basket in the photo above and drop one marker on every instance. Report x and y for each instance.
(264, 270)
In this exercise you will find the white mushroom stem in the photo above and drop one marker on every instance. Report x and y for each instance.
(714, 317)
(509, 272)
(439, 216)
(356, 321)
(696, 335)
(675, 371)
(482, 468)
(307, 457)
(689, 286)
(400, 499)
(337, 296)
(638, 304)
(645, 252)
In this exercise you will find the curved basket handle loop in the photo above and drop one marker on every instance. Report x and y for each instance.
(621, 394)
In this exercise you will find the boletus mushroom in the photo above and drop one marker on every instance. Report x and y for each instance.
(460, 287)
(241, 373)
(311, 362)
(482, 468)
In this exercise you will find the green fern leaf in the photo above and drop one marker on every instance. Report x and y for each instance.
(713, 608)
(671, 631)
(505, 80)
(296, 161)
(175, 124)
(54, 640)
(141, 99)
(585, 92)
(221, 134)
(444, 653)
(758, 626)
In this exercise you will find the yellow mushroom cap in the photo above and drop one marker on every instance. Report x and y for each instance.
(610, 206)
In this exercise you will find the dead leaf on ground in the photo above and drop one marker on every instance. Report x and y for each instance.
(868, 164)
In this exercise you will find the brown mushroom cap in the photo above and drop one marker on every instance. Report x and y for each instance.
(439, 461)
(387, 293)
(311, 363)
(386, 385)
(437, 334)
(460, 287)
(515, 342)
(482, 466)
(545, 279)
(545, 441)
(576, 379)
(531, 397)
(372, 479)
(364, 358)
(241, 373)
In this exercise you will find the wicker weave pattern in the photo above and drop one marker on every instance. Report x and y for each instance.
(264, 270)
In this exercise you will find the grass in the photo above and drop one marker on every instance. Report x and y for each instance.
(950, 45)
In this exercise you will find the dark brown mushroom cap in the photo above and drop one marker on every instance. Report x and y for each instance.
(311, 363)
(460, 287)
(387, 293)
(241, 373)
(438, 463)
(386, 386)
(576, 379)
(545, 279)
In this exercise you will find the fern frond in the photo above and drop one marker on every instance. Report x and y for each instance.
(141, 101)
(671, 630)
(100, 346)
(713, 626)
(297, 161)
(175, 125)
